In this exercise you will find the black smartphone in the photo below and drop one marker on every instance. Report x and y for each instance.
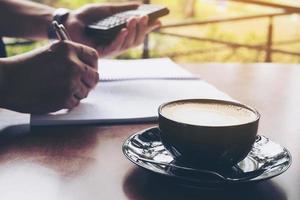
(105, 30)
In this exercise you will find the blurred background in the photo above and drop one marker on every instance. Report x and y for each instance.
(212, 31)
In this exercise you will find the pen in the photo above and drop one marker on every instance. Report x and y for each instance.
(61, 31)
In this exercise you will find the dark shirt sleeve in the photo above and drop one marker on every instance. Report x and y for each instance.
(2, 49)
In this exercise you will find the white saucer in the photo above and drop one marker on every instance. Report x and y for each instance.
(266, 160)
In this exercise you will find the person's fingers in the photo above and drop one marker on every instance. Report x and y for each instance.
(84, 79)
(153, 26)
(87, 55)
(123, 7)
(89, 77)
(115, 45)
(82, 91)
(132, 32)
(72, 102)
(141, 30)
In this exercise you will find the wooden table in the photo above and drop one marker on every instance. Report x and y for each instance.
(86, 162)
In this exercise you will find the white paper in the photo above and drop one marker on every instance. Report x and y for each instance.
(131, 100)
(155, 68)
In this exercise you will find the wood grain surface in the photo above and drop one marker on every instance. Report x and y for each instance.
(86, 162)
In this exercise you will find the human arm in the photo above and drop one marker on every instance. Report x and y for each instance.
(31, 20)
(48, 79)
(24, 19)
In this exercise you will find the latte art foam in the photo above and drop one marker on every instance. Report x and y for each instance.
(208, 114)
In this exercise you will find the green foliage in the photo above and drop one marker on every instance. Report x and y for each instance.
(19, 49)
(184, 50)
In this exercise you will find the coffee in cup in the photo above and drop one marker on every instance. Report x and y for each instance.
(208, 131)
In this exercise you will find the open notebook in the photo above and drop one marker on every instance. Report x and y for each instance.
(131, 91)
(142, 69)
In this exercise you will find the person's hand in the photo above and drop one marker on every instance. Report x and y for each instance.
(132, 36)
(49, 79)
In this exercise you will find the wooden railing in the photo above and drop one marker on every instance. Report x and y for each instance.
(267, 47)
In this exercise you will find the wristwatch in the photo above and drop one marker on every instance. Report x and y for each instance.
(60, 15)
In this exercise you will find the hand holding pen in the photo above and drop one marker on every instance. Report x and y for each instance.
(57, 76)
(89, 76)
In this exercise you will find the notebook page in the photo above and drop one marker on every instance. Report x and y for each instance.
(130, 101)
(154, 68)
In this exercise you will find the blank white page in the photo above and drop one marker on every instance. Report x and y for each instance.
(154, 68)
(130, 101)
